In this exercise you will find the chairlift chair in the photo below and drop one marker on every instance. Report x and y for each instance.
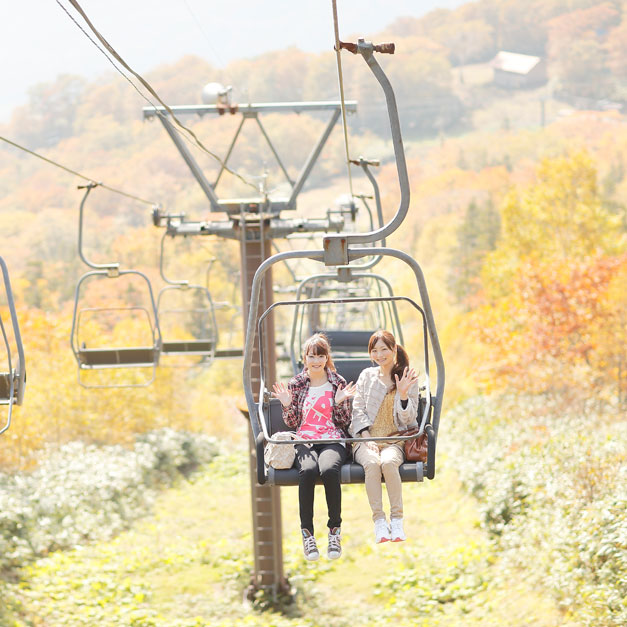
(266, 415)
(204, 338)
(89, 357)
(188, 329)
(341, 251)
(13, 380)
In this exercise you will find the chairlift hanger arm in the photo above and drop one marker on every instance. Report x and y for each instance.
(112, 268)
(336, 246)
(163, 276)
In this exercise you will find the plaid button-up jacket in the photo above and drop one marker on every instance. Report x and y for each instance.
(299, 386)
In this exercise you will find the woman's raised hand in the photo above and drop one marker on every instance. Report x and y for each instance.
(410, 376)
(280, 391)
(344, 392)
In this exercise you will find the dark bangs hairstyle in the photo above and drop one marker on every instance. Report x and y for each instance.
(318, 344)
(402, 359)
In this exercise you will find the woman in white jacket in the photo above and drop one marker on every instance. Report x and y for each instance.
(386, 402)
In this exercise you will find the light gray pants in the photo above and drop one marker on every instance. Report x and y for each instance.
(376, 463)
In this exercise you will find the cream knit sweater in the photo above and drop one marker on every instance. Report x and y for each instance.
(370, 394)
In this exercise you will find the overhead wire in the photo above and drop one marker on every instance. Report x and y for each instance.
(338, 52)
(202, 30)
(75, 173)
(154, 94)
(106, 56)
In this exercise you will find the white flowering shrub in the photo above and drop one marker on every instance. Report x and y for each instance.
(552, 486)
(80, 492)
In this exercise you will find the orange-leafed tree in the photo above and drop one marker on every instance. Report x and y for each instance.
(552, 304)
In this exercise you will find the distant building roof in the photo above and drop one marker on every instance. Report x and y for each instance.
(514, 62)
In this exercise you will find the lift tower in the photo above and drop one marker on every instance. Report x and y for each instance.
(254, 222)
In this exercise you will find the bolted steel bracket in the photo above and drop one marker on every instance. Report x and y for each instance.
(335, 251)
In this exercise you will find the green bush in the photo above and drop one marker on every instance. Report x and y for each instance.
(81, 493)
(552, 487)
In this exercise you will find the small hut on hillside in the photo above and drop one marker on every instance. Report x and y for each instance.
(517, 71)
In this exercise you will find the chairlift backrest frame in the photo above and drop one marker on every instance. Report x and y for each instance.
(298, 319)
(202, 347)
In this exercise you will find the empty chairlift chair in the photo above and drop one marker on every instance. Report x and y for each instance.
(93, 336)
(187, 319)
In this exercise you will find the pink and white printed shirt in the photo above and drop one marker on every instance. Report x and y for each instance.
(317, 420)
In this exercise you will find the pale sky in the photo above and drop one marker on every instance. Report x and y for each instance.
(39, 42)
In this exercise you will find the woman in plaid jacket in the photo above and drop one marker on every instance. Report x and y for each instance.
(317, 403)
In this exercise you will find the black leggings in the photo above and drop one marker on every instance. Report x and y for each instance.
(323, 460)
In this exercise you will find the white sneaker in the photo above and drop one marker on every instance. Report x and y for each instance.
(309, 546)
(381, 531)
(335, 545)
(397, 533)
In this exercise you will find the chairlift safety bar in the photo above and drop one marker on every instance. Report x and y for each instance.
(263, 399)
(111, 268)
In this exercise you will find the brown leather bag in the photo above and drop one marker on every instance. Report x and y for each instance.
(415, 449)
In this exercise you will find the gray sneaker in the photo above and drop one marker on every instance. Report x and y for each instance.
(309, 546)
(335, 546)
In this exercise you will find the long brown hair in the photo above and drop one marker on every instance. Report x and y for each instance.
(402, 358)
(318, 344)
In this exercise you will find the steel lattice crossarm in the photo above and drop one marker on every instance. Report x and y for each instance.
(167, 117)
(232, 229)
(253, 108)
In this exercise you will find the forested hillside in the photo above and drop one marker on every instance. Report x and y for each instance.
(518, 218)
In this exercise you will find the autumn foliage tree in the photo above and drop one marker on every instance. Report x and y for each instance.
(552, 312)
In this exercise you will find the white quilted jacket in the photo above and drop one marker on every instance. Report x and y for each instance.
(370, 394)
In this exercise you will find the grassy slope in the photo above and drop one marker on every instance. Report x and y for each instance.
(189, 563)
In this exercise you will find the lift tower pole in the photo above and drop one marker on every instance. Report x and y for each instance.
(254, 222)
(255, 248)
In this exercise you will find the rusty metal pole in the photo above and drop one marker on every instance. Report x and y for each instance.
(266, 500)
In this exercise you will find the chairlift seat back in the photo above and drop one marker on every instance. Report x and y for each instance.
(348, 341)
(350, 367)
